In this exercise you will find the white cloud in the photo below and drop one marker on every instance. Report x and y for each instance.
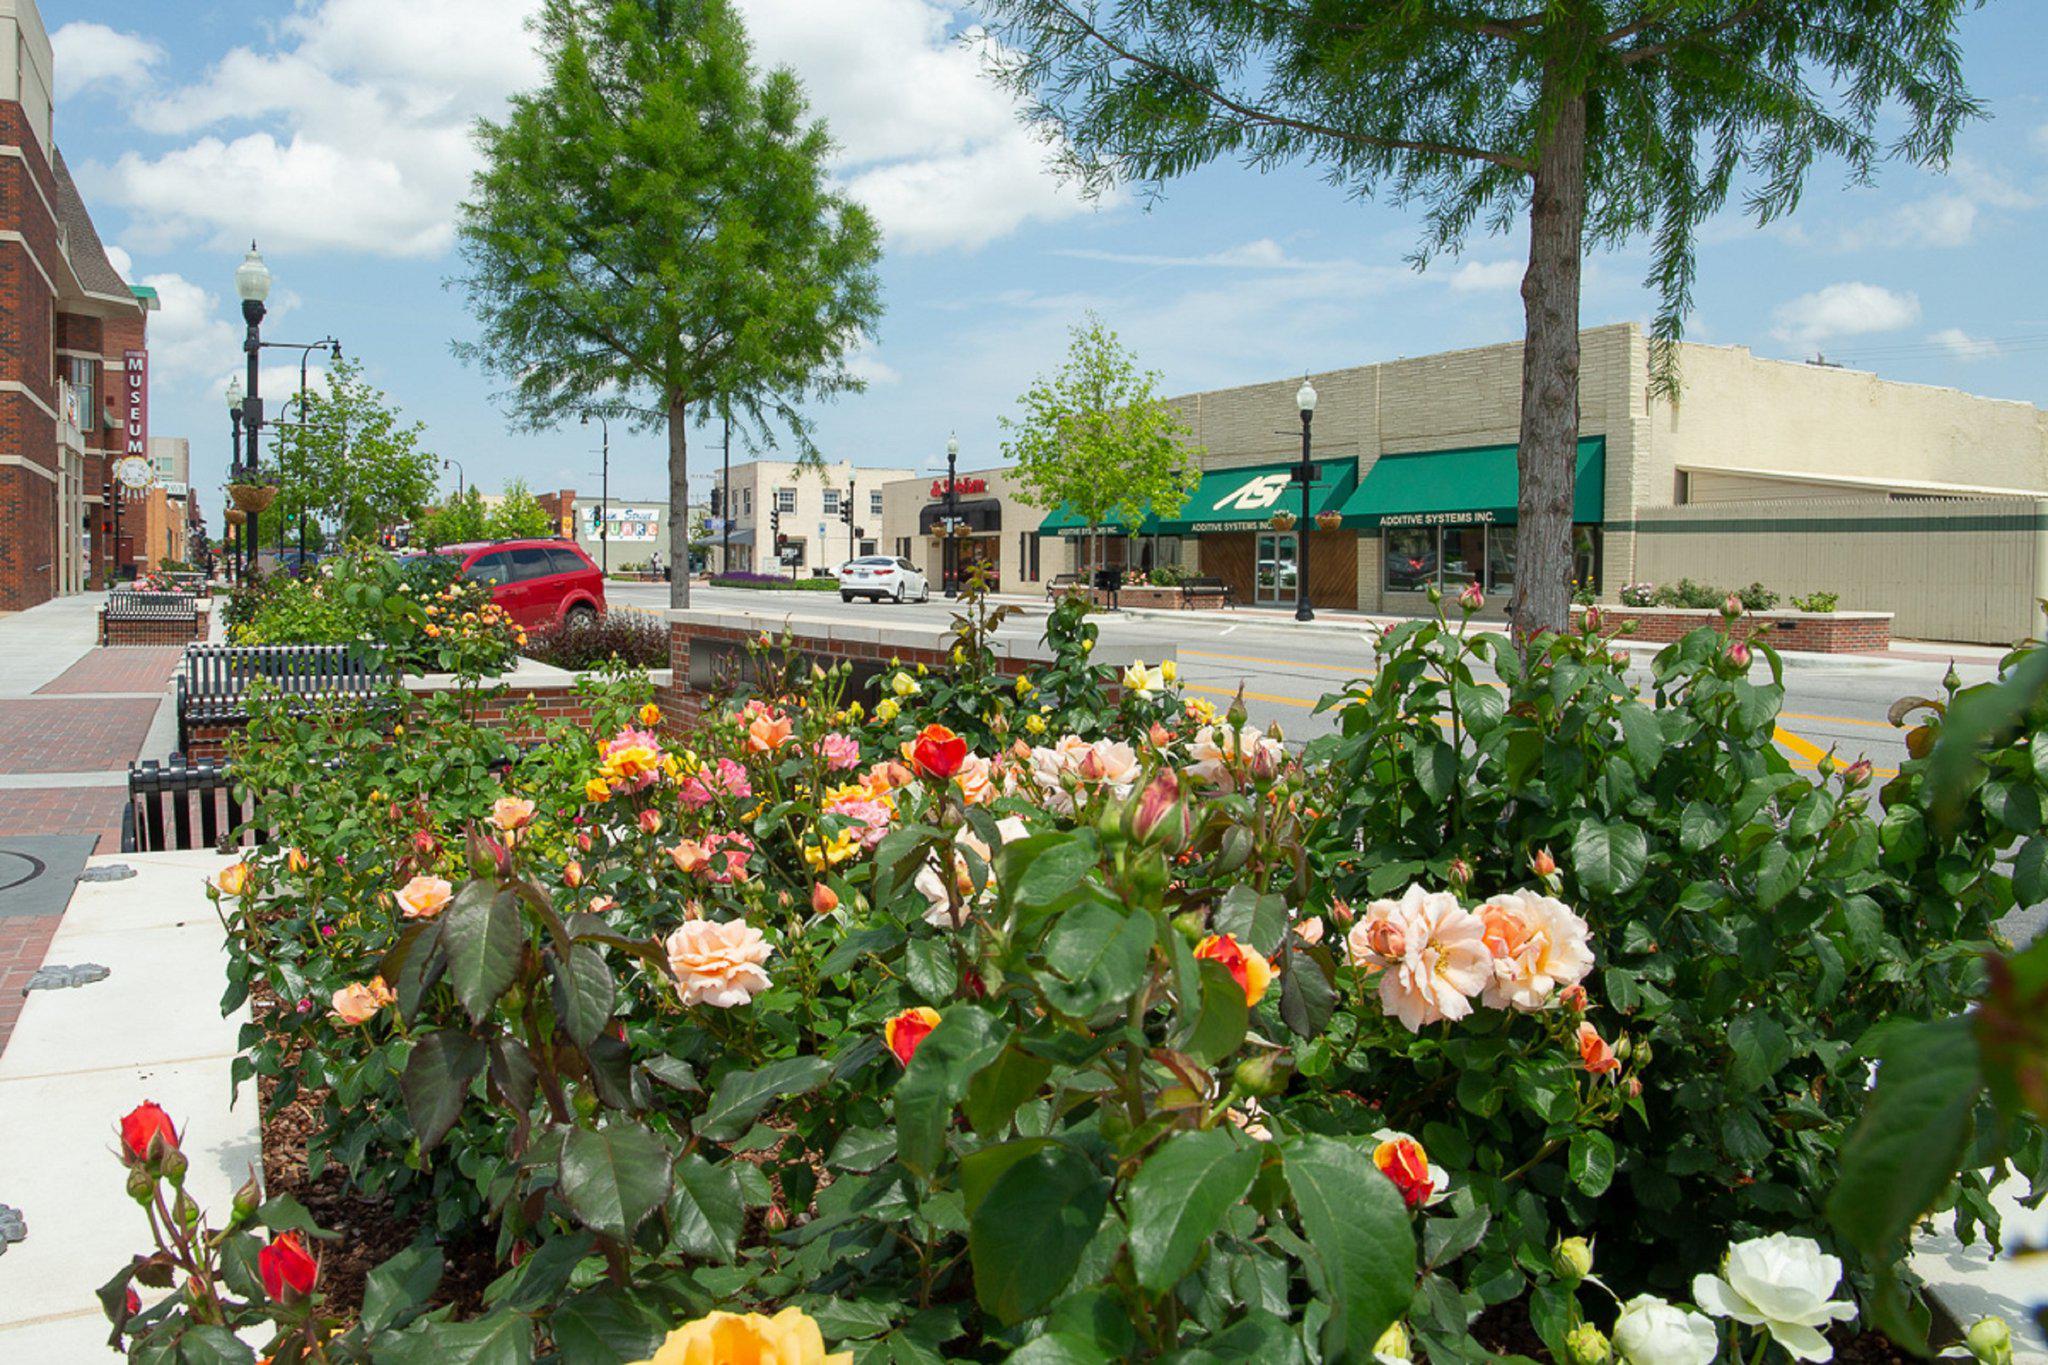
(1473, 276)
(1963, 346)
(351, 130)
(1943, 220)
(1848, 309)
(89, 54)
(1263, 254)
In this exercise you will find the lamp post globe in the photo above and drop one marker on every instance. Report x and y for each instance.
(1305, 400)
(252, 277)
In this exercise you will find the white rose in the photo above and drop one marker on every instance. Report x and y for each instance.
(1783, 1284)
(1653, 1332)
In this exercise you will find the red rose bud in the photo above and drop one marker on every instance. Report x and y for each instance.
(289, 1272)
(1731, 606)
(650, 822)
(824, 900)
(937, 752)
(1595, 618)
(971, 984)
(1158, 815)
(1402, 1160)
(583, 844)
(1471, 599)
(131, 1303)
(147, 1133)
(1738, 654)
(905, 1031)
(1857, 774)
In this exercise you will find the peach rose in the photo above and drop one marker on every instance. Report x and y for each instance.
(1539, 947)
(1310, 930)
(689, 855)
(359, 1001)
(424, 897)
(509, 813)
(234, 879)
(767, 733)
(977, 780)
(718, 963)
(1430, 953)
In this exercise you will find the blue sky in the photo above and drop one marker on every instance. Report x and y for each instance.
(334, 131)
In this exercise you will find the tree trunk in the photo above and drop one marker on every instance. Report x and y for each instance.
(1548, 455)
(678, 505)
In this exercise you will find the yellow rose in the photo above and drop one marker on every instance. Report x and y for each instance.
(1168, 671)
(788, 1338)
(886, 709)
(597, 789)
(903, 685)
(1025, 687)
(1035, 724)
(233, 879)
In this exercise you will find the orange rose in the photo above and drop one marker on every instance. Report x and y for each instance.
(824, 900)
(1252, 973)
(689, 855)
(1594, 1053)
(938, 752)
(767, 733)
(358, 1002)
(234, 879)
(424, 897)
(511, 812)
(906, 1030)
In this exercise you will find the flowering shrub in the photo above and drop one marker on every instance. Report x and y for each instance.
(1066, 1017)
(419, 612)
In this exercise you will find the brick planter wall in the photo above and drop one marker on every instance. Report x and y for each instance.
(707, 647)
(1833, 632)
(153, 631)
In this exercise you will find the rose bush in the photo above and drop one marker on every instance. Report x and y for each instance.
(1067, 1019)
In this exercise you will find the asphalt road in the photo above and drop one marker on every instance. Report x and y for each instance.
(1283, 668)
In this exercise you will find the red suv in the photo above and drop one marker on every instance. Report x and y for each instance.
(538, 582)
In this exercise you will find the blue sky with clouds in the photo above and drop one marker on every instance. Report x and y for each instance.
(335, 132)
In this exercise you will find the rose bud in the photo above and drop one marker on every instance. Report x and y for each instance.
(774, 1220)
(1341, 914)
(1731, 606)
(1595, 618)
(1471, 599)
(295, 861)
(1460, 875)
(1587, 1345)
(650, 822)
(572, 874)
(141, 1186)
(147, 1133)
(971, 984)
(1542, 863)
(247, 1198)
(1159, 736)
(1990, 1341)
(583, 843)
(1158, 815)
(1393, 1345)
(1574, 999)
(907, 1029)
(1857, 774)
(289, 1272)
(1738, 654)
(1264, 1074)
(824, 900)
(131, 1303)
(1572, 1259)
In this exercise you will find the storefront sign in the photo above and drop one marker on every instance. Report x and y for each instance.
(1438, 519)
(626, 523)
(135, 378)
(960, 486)
(1256, 495)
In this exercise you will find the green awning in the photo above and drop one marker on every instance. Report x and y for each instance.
(1465, 487)
(1065, 521)
(1245, 498)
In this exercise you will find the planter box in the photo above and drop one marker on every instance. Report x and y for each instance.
(1816, 632)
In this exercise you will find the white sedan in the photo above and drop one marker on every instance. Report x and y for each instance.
(882, 577)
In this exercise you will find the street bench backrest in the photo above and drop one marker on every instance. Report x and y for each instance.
(215, 680)
(182, 806)
(148, 606)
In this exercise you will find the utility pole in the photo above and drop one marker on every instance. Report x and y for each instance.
(725, 504)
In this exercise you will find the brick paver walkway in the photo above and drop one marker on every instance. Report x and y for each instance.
(72, 734)
(23, 941)
(136, 669)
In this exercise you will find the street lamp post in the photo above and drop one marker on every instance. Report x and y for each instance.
(235, 442)
(725, 504)
(252, 285)
(1305, 474)
(447, 460)
(305, 350)
(949, 558)
(604, 497)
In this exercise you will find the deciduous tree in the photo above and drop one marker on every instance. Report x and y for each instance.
(653, 235)
(1596, 121)
(1096, 437)
(348, 459)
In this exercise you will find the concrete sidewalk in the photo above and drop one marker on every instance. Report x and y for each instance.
(83, 1057)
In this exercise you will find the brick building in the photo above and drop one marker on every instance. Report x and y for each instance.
(71, 333)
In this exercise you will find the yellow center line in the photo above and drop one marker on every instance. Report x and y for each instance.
(1358, 671)
(1838, 720)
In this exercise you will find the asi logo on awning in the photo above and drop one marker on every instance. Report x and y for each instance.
(1256, 494)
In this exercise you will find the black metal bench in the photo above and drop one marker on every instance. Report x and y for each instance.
(214, 680)
(1192, 589)
(1061, 584)
(182, 806)
(173, 614)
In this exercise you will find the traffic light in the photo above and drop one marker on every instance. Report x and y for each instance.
(846, 506)
(775, 524)
(717, 502)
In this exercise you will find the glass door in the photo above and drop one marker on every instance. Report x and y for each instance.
(1276, 579)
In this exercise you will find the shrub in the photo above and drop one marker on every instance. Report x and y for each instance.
(774, 582)
(1756, 597)
(1686, 593)
(1169, 575)
(636, 639)
(1639, 595)
(1148, 1036)
(1817, 601)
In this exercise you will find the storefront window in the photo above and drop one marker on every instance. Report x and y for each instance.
(1411, 559)
(1500, 558)
(1464, 555)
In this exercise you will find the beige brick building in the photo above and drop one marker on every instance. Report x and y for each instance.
(814, 535)
(1802, 477)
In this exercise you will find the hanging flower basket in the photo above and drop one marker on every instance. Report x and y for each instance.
(1329, 521)
(1283, 521)
(253, 497)
(236, 516)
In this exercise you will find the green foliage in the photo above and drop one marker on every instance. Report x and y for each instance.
(654, 235)
(461, 519)
(1817, 601)
(518, 515)
(1097, 438)
(417, 613)
(347, 458)
(1686, 593)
